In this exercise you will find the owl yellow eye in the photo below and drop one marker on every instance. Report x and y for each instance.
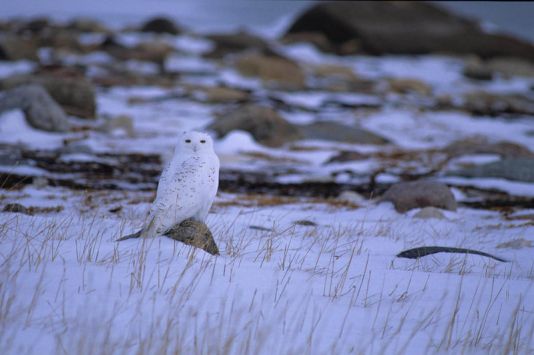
(188, 140)
(203, 141)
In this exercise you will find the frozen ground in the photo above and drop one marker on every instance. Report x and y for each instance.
(287, 287)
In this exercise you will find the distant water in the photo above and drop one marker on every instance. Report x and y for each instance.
(265, 16)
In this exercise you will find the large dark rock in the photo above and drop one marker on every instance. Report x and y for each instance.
(418, 194)
(265, 125)
(160, 25)
(75, 95)
(41, 111)
(518, 169)
(404, 27)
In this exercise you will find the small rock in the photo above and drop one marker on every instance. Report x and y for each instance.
(345, 156)
(517, 169)
(237, 42)
(15, 208)
(260, 228)
(406, 86)
(275, 72)
(429, 213)
(480, 145)
(265, 125)
(160, 25)
(87, 25)
(75, 95)
(219, 94)
(516, 244)
(194, 233)
(305, 223)
(477, 70)
(41, 111)
(332, 131)
(488, 104)
(418, 194)
(17, 48)
(509, 66)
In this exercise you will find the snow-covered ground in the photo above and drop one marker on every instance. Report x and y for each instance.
(331, 287)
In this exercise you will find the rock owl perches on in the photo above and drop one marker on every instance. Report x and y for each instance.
(187, 186)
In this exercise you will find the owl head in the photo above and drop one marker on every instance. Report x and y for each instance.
(194, 143)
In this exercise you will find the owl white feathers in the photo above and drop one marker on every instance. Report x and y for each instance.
(187, 186)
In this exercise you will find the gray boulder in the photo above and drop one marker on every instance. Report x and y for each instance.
(41, 111)
(517, 169)
(263, 123)
(75, 95)
(332, 131)
(419, 194)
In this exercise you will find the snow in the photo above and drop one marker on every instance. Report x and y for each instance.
(336, 287)
(15, 130)
(15, 67)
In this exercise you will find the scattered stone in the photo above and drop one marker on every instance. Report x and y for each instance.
(480, 145)
(18, 208)
(265, 125)
(260, 228)
(161, 25)
(75, 95)
(345, 156)
(194, 233)
(487, 104)
(305, 223)
(516, 244)
(220, 94)
(275, 72)
(332, 131)
(87, 25)
(429, 213)
(418, 194)
(336, 71)
(477, 70)
(511, 66)
(115, 209)
(379, 27)
(517, 169)
(237, 42)
(17, 48)
(407, 86)
(41, 111)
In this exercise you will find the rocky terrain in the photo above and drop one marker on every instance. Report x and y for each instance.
(347, 111)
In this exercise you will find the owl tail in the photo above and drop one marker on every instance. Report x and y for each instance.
(142, 233)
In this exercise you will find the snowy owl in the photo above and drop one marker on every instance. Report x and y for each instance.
(187, 186)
